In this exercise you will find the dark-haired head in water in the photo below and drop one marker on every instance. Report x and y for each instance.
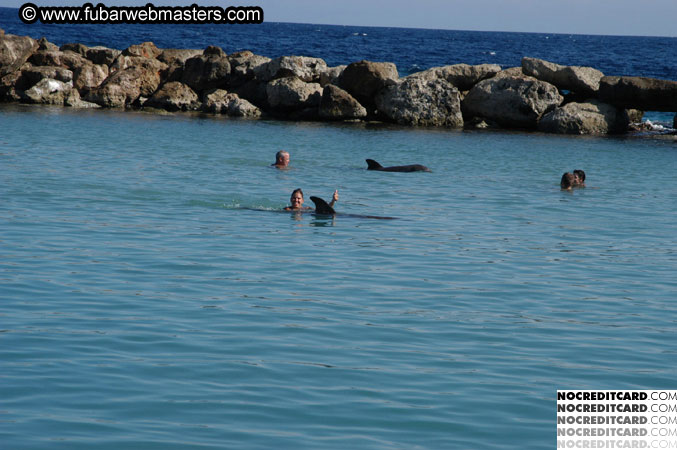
(296, 201)
(579, 176)
(568, 180)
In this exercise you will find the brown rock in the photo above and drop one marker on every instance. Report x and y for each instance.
(363, 79)
(337, 104)
(421, 102)
(591, 117)
(102, 55)
(174, 96)
(14, 51)
(144, 50)
(219, 101)
(462, 76)
(292, 93)
(207, 71)
(511, 101)
(581, 80)
(647, 94)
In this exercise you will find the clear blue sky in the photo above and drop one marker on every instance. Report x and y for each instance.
(618, 17)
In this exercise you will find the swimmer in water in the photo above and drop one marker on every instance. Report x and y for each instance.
(568, 181)
(296, 201)
(579, 176)
(281, 160)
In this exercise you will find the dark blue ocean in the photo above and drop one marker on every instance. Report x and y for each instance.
(410, 49)
(154, 295)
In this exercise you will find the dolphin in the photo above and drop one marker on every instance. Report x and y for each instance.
(323, 208)
(373, 165)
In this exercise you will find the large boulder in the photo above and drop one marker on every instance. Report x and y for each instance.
(89, 76)
(52, 92)
(219, 101)
(207, 71)
(581, 80)
(511, 101)
(14, 51)
(32, 75)
(337, 104)
(363, 79)
(55, 58)
(145, 50)
(254, 92)
(303, 67)
(174, 96)
(124, 87)
(102, 55)
(418, 101)
(647, 94)
(292, 93)
(176, 60)
(591, 117)
(331, 75)
(244, 65)
(462, 76)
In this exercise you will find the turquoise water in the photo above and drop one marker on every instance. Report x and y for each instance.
(145, 305)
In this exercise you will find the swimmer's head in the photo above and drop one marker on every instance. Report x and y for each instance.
(567, 181)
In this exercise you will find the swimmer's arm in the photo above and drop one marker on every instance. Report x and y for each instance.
(334, 198)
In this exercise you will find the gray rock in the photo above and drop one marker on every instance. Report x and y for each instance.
(174, 96)
(219, 101)
(363, 79)
(243, 66)
(303, 67)
(462, 76)
(52, 92)
(511, 101)
(591, 117)
(14, 51)
(582, 80)
(423, 102)
(292, 93)
(647, 94)
(331, 75)
(337, 104)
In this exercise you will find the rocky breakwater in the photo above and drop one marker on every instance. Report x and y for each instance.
(539, 95)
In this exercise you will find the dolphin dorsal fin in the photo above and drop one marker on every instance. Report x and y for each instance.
(322, 207)
(373, 165)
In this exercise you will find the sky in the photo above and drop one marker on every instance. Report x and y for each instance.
(614, 17)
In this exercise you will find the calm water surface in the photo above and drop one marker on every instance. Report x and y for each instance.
(152, 296)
